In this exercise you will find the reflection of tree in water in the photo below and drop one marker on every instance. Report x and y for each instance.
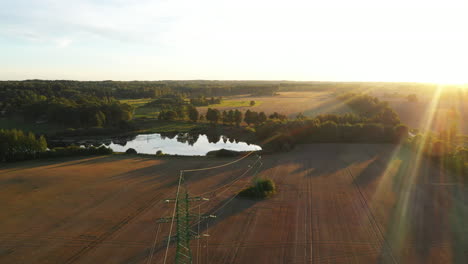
(169, 135)
(189, 138)
(122, 141)
(213, 137)
(182, 137)
(193, 138)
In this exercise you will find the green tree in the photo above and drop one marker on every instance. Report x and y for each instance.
(248, 117)
(231, 117)
(224, 117)
(262, 117)
(213, 115)
(193, 114)
(238, 117)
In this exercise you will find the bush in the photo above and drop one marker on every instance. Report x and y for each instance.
(131, 151)
(262, 188)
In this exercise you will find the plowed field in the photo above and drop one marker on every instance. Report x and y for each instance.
(336, 203)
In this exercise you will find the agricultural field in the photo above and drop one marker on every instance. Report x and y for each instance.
(140, 111)
(430, 107)
(335, 203)
(288, 103)
(230, 103)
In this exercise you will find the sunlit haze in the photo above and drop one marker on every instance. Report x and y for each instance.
(363, 40)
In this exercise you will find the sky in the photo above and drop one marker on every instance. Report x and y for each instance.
(316, 40)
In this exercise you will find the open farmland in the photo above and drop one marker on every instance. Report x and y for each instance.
(288, 103)
(430, 107)
(336, 203)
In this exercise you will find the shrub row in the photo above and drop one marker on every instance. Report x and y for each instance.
(59, 152)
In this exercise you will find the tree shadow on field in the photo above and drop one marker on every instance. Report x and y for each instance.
(327, 158)
(41, 163)
(374, 169)
(422, 212)
(89, 161)
(157, 173)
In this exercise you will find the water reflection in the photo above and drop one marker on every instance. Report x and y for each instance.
(179, 144)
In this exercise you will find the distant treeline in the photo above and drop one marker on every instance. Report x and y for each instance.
(136, 89)
(15, 145)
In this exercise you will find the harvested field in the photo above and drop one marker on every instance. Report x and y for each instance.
(416, 114)
(289, 103)
(336, 203)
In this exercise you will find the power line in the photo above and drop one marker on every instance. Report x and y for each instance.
(173, 217)
(223, 165)
(234, 196)
(154, 245)
(183, 217)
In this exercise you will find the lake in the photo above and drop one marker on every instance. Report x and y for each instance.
(178, 144)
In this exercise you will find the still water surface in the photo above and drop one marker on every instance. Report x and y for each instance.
(181, 144)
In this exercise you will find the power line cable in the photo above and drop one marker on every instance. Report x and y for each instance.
(154, 245)
(173, 217)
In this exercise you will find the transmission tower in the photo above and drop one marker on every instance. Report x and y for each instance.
(183, 219)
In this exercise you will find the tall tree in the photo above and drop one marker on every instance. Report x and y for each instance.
(213, 115)
(248, 117)
(224, 117)
(193, 114)
(262, 117)
(238, 117)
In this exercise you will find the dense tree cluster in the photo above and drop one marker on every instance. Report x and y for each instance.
(203, 101)
(329, 128)
(213, 115)
(84, 112)
(61, 103)
(252, 117)
(16, 145)
(278, 116)
(444, 150)
(226, 117)
(232, 117)
(371, 108)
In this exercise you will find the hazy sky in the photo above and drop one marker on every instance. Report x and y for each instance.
(349, 40)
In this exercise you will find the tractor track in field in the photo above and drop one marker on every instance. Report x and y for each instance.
(375, 226)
